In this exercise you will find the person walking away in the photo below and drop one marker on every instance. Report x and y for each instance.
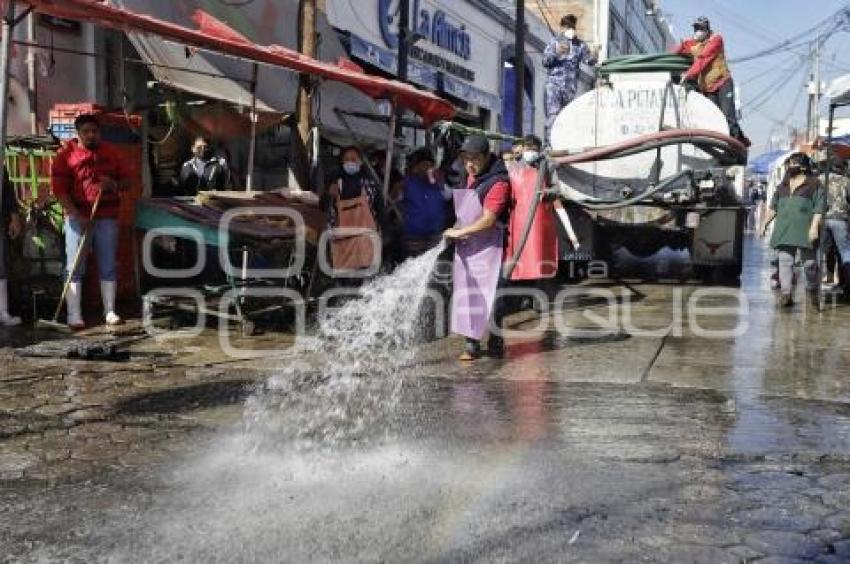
(354, 205)
(836, 244)
(562, 60)
(85, 169)
(710, 75)
(204, 171)
(11, 225)
(425, 198)
(481, 207)
(798, 206)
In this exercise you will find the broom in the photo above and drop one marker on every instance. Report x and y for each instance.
(54, 324)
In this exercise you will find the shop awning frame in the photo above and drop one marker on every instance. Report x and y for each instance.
(214, 35)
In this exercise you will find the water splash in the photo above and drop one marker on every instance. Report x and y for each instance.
(342, 386)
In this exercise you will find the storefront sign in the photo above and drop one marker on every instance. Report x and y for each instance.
(436, 27)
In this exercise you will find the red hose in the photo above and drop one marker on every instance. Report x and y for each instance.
(565, 158)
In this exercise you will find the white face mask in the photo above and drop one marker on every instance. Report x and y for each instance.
(570, 33)
(530, 157)
(700, 35)
(351, 167)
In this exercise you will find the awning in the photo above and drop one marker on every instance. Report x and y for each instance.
(200, 77)
(216, 36)
(765, 163)
(839, 90)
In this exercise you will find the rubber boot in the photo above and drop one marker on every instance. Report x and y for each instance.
(72, 303)
(6, 320)
(471, 350)
(107, 292)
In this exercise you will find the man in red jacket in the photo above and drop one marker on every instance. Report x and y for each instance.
(710, 73)
(84, 169)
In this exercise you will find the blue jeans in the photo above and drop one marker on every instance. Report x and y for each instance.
(103, 236)
(838, 228)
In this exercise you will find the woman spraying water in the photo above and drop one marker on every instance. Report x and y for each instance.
(481, 206)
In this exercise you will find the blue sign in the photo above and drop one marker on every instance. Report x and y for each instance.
(435, 27)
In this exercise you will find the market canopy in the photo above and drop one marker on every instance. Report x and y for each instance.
(765, 163)
(215, 35)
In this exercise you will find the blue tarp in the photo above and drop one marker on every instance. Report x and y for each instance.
(766, 162)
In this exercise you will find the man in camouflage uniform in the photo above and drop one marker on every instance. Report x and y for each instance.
(562, 59)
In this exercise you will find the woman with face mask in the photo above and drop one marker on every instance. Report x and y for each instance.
(798, 206)
(354, 205)
(539, 258)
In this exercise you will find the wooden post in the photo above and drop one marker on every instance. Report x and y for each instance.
(8, 28)
(304, 104)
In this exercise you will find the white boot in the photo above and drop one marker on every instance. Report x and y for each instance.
(107, 292)
(6, 320)
(72, 302)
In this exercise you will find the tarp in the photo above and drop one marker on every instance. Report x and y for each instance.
(164, 60)
(765, 163)
(276, 89)
(839, 90)
(215, 35)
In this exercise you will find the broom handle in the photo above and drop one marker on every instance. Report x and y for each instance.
(77, 257)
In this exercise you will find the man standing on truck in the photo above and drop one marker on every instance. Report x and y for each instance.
(710, 75)
(562, 59)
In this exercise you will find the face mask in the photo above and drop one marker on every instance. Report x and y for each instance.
(794, 170)
(530, 157)
(570, 33)
(351, 167)
(700, 35)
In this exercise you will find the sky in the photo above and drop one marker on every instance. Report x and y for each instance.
(772, 89)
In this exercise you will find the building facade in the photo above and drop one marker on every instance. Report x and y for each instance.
(464, 52)
(619, 27)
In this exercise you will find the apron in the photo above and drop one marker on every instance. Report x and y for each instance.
(539, 258)
(353, 250)
(477, 266)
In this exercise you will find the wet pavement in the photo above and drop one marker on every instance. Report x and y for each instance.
(628, 433)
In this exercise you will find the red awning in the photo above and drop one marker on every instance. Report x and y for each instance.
(217, 36)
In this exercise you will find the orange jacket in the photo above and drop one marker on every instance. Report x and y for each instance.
(709, 68)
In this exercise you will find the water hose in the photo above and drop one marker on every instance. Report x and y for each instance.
(599, 205)
(656, 62)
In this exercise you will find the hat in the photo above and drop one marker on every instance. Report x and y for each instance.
(702, 22)
(476, 144)
(418, 156)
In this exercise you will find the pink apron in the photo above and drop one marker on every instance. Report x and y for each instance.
(477, 266)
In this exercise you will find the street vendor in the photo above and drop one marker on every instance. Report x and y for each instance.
(355, 205)
(11, 225)
(204, 171)
(709, 74)
(481, 205)
(798, 206)
(85, 171)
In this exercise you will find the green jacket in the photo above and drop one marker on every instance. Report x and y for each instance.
(794, 212)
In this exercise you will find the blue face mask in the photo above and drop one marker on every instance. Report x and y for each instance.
(351, 167)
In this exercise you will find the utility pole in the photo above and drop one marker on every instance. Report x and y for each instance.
(519, 68)
(404, 44)
(813, 113)
(304, 106)
(32, 75)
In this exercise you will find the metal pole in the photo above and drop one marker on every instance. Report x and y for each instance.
(519, 68)
(5, 55)
(249, 179)
(403, 57)
(32, 77)
(829, 146)
(388, 165)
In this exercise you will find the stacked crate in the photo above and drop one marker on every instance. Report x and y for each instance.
(122, 131)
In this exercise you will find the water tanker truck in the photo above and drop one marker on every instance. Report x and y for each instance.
(641, 163)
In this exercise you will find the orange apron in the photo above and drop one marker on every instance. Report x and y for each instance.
(354, 249)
